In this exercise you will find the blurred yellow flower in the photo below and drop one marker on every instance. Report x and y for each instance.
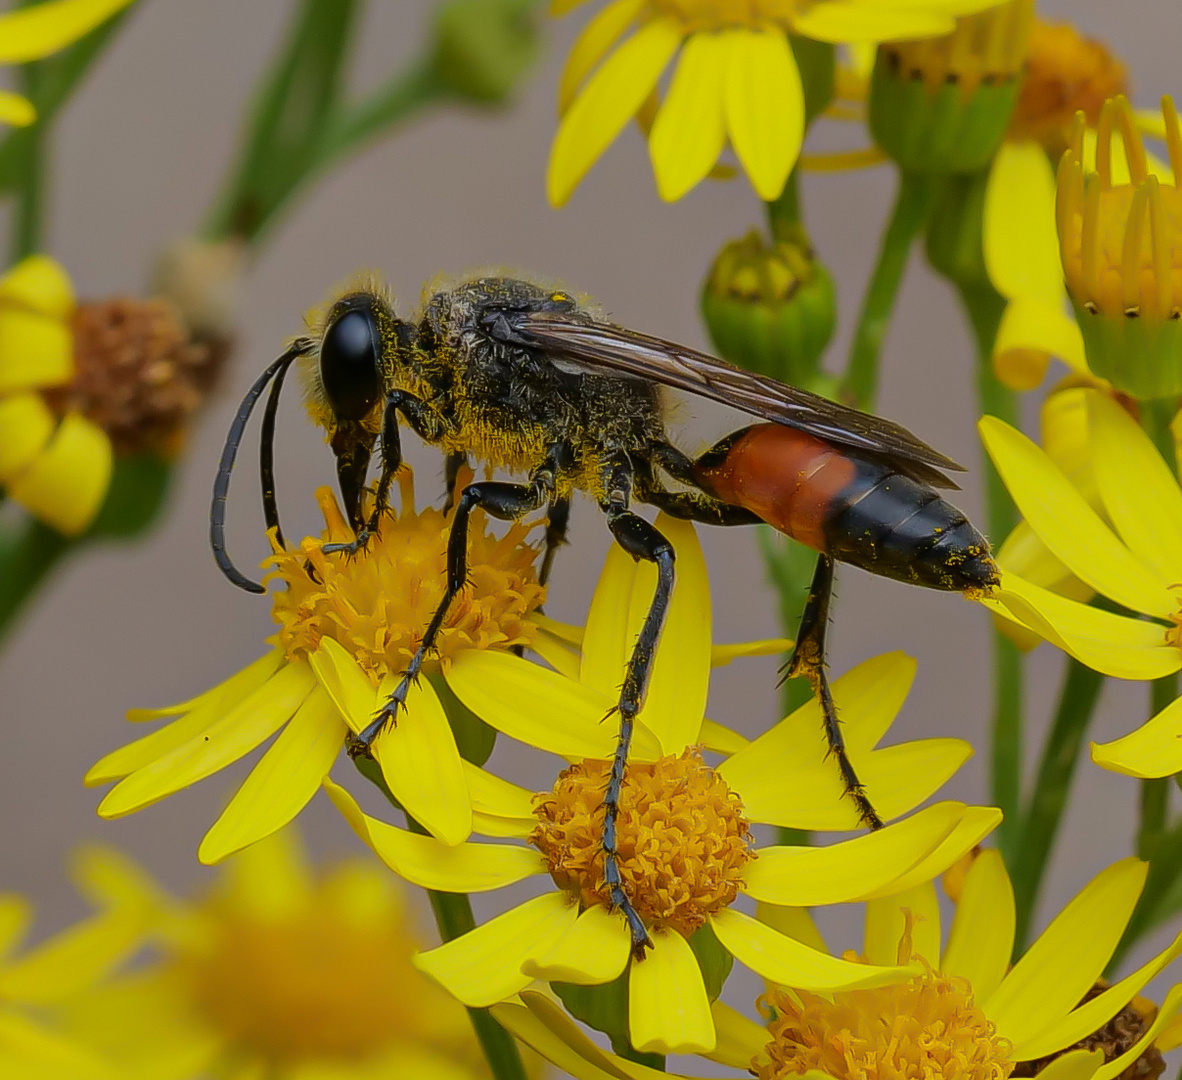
(736, 80)
(964, 1008)
(685, 846)
(347, 627)
(280, 971)
(1136, 562)
(37, 31)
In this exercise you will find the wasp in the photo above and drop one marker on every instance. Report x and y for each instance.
(528, 378)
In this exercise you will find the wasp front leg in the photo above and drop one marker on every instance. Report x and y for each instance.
(509, 502)
(808, 659)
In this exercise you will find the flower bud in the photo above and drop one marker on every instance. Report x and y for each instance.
(484, 47)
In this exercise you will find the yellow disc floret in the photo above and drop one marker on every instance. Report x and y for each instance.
(378, 603)
(926, 1028)
(683, 839)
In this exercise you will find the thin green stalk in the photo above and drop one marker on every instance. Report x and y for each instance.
(31, 182)
(984, 307)
(454, 918)
(912, 203)
(1155, 794)
(1060, 756)
(1153, 906)
(27, 554)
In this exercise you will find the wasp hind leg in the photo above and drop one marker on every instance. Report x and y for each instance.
(557, 520)
(808, 659)
(509, 502)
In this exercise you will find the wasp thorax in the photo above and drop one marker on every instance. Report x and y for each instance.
(351, 357)
(683, 838)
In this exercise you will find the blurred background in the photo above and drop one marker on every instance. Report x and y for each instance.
(139, 156)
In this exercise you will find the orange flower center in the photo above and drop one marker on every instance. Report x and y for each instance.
(377, 604)
(683, 839)
(924, 1028)
(1065, 73)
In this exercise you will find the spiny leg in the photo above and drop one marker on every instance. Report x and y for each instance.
(808, 659)
(453, 463)
(509, 502)
(557, 520)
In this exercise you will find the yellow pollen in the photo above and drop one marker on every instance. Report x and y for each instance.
(288, 986)
(927, 1028)
(1121, 244)
(1065, 73)
(683, 839)
(699, 15)
(377, 604)
(984, 49)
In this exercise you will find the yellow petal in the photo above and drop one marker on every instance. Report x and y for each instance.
(689, 132)
(66, 484)
(27, 425)
(839, 22)
(599, 35)
(1031, 332)
(764, 106)
(982, 936)
(557, 654)
(976, 823)
(1027, 556)
(15, 916)
(595, 951)
(36, 350)
(1092, 1015)
(1063, 964)
(795, 923)
(1152, 750)
(1113, 644)
(567, 633)
(205, 709)
(271, 880)
(720, 739)
(903, 925)
(668, 1010)
(786, 961)
(1020, 242)
(282, 783)
(45, 28)
(1068, 526)
(739, 1037)
(1078, 1065)
(483, 966)
(1140, 491)
(541, 708)
(231, 736)
(493, 795)
(1165, 1015)
(606, 641)
(425, 861)
(422, 767)
(345, 683)
(38, 284)
(839, 873)
(721, 655)
(16, 110)
(607, 102)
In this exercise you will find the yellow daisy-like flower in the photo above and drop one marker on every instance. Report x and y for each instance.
(280, 972)
(686, 853)
(1136, 561)
(39, 31)
(347, 628)
(965, 1011)
(736, 80)
(35, 981)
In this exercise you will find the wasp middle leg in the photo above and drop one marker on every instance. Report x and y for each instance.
(808, 659)
(509, 502)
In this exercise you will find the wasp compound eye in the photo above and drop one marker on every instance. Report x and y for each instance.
(349, 364)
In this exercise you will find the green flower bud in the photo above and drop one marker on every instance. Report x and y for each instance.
(942, 105)
(770, 308)
(484, 47)
(954, 230)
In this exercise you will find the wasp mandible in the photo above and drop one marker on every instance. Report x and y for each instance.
(527, 378)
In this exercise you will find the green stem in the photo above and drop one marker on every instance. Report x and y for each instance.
(783, 213)
(454, 918)
(984, 307)
(27, 555)
(1163, 874)
(30, 178)
(912, 203)
(1060, 756)
(1155, 794)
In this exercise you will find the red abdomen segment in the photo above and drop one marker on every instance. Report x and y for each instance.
(856, 509)
(790, 479)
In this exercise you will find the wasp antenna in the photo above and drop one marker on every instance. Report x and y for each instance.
(221, 483)
(267, 454)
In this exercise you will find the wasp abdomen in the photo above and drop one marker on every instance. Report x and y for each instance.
(856, 509)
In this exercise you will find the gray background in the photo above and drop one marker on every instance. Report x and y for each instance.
(139, 157)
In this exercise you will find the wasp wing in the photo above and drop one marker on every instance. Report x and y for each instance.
(604, 348)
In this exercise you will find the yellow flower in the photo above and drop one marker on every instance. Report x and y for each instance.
(36, 32)
(35, 981)
(347, 628)
(686, 849)
(1137, 562)
(279, 971)
(736, 80)
(964, 1011)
